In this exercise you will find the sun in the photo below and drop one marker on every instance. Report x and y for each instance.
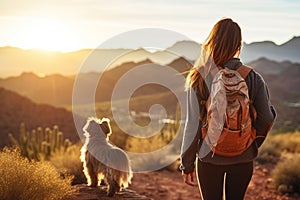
(46, 34)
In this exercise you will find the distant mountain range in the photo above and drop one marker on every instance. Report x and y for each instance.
(288, 51)
(14, 60)
(57, 89)
(283, 79)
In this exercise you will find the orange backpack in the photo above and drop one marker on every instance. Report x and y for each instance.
(227, 127)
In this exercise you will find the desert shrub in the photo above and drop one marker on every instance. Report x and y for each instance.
(286, 175)
(68, 163)
(160, 139)
(144, 145)
(24, 179)
(268, 152)
(274, 145)
(289, 142)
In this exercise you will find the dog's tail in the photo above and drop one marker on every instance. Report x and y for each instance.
(120, 163)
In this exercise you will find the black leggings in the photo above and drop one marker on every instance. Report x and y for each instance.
(211, 180)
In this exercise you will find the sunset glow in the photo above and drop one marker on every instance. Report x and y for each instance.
(75, 25)
(47, 35)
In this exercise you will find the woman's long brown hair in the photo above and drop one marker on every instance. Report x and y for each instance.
(222, 44)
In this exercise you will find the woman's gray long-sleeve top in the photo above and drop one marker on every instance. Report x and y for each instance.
(258, 93)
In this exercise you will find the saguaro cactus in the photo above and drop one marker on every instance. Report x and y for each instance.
(40, 144)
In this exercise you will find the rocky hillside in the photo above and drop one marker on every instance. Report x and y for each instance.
(16, 109)
(282, 78)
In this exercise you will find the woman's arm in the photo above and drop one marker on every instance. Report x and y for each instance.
(192, 134)
(265, 111)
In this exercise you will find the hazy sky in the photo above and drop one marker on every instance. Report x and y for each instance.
(74, 24)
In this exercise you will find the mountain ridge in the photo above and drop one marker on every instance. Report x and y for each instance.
(282, 78)
(56, 89)
(13, 59)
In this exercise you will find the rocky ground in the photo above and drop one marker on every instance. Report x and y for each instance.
(88, 193)
(168, 185)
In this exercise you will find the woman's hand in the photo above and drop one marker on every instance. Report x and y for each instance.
(189, 179)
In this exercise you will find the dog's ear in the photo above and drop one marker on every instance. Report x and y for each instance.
(105, 127)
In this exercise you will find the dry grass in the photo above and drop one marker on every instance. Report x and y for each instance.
(275, 145)
(289, 142)
(23, 179)
(269, 152)
(286, 175)
(284, 148)
(141, 145)
(68, 163)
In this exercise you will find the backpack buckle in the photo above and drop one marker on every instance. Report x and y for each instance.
(243, 126)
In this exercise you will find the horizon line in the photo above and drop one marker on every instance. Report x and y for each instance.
(68, 75)
(90, 48)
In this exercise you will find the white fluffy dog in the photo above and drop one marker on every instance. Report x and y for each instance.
(102, 160)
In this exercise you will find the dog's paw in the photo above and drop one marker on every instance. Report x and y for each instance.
(111, 193)
(93, 185)
(113, 187)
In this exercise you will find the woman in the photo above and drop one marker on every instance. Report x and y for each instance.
(214, 172)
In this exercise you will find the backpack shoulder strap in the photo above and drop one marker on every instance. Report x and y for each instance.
(244, 71)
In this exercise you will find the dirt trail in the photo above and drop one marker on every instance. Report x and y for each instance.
(168, 185)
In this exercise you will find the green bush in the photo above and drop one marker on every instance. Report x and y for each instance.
(24, 179)
(286, 175)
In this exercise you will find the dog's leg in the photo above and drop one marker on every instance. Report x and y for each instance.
(93, 176)
(113, 187)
